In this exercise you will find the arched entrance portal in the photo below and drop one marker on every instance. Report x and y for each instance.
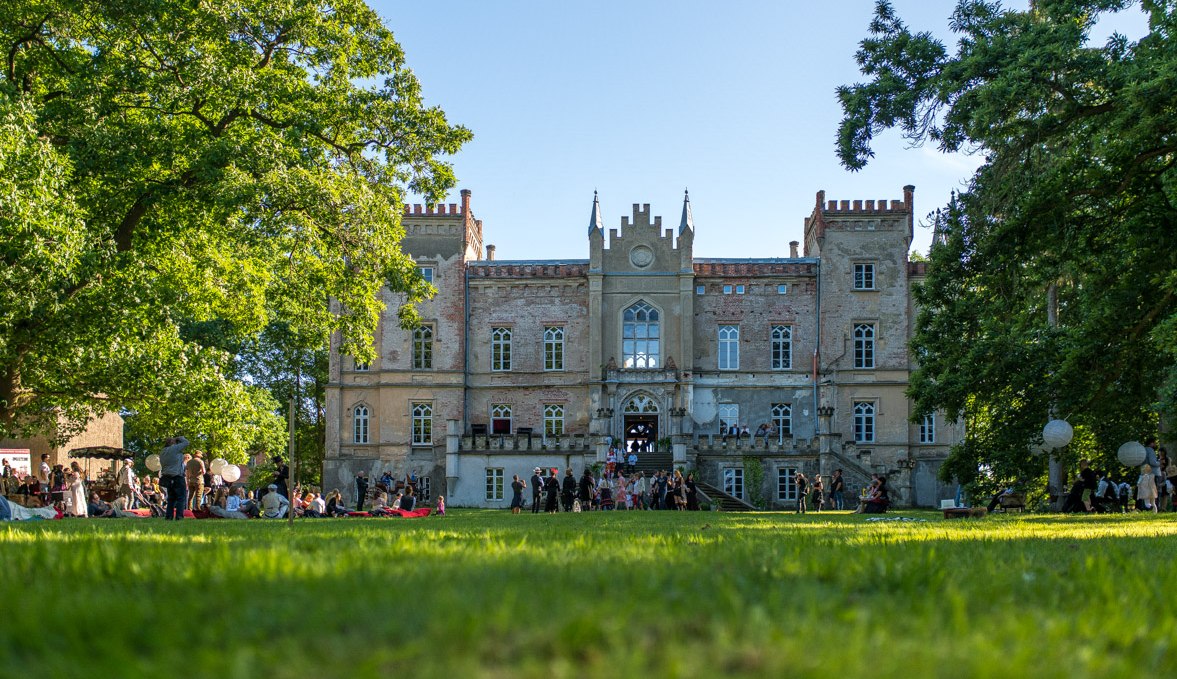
(641, 423)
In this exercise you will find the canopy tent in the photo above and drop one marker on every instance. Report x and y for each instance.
(101, 453)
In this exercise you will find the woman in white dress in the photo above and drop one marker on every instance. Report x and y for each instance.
(1146, 489)
(76, 496)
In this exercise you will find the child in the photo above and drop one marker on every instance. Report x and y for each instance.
(441, 505)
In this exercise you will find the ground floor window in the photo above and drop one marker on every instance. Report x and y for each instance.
(786, 484)
(424, 489)
(733, 482)
(494, 483)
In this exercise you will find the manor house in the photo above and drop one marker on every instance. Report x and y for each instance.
(524, 364)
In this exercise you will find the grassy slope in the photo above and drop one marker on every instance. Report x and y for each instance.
(483, 593)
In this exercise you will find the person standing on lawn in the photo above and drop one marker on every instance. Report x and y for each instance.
(802, 491)
(819, 493)
(837, 487)
(195, 469)
(171, 475)
(537, 489)
(361, 490)
(126, 481)
(517, 487)
(568, 490)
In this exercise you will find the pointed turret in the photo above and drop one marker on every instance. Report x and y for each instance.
(595, 221)
(688, 219)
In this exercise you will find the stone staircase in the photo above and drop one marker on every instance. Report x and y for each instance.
(652, 462)
(725, 502)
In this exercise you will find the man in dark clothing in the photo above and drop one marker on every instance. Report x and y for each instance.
(568, 492)
(281, 474)
(537, 489)
(585, 489)
(361, 490)
(171, 461)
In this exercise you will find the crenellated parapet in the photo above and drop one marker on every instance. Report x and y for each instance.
(542, 269)
(868, 215)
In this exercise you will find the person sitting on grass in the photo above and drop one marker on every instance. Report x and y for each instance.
(408, 500)
(880, 500)
(335, 503)
(226, 505)
(274, 504)
(1107, 494)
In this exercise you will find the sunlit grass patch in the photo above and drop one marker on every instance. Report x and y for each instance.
(484, 593)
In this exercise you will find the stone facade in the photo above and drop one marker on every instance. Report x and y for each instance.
(540, 363)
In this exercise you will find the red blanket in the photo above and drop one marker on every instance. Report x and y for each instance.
(415, 514)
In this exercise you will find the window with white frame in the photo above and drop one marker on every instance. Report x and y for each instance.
(422, 424)
(786, 484)
(864, 345)
(729, 347)
(864, 276)
(864, 421)
(426, 273)
(733, 482)
(640, 336)
(500, 418)
(494, 483)
(553, 347)
(729, 416)
(782, 289)
(424, 489)
(361, 366)
(500, 349)
(423, 348)
(727, 289)
(782, 418)
(553, 419)
(782, 347)
(739, 289)
(928, 428)
(359, 420)
(700, 289)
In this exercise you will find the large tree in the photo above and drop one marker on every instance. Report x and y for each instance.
(1075, 201)
(169, 165)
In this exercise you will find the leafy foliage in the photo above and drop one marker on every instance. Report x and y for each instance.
(167, 168)
(1076, 195)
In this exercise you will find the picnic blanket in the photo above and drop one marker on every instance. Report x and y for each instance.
(415, 514)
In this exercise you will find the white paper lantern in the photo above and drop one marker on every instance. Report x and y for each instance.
(230, 473)
(217, 465)
(1132, 454)
(152, 463)
(1057, 434)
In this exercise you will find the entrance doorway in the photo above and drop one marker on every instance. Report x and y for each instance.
(641, 433)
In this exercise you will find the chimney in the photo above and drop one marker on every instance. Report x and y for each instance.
(793, 248)
(908, 200)
(465, 201)
(490, 253)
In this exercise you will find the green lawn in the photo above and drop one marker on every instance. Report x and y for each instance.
(658, 594)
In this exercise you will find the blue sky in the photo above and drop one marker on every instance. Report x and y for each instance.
(639, 100)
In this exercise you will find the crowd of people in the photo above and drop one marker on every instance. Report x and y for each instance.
(614, 489)
(1100, 491)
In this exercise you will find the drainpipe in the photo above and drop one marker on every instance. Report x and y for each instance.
(817, 355)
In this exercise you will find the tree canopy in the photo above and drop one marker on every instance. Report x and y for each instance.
(170, 166)
(1076, 196)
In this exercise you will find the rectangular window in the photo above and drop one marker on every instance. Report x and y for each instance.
(426, 273)
(782, 289)
(786, 484)
(782, 347)
(727, 289)
(361, 367)
(729, 416)
(500, 418)
(729, 347)
(422, 424)
(423, 348)
(864, 276)
(864, 422)
(553, 419)
(733, 482)
(494, 483)
(553, 347)
(782, 418)
(864, 345)
(739, 289)
(500, 349)
(700, 289)
(424, 489)
(928, 429)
